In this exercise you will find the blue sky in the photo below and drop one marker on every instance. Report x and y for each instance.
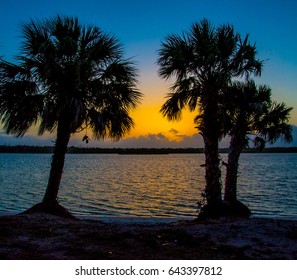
(142, 25)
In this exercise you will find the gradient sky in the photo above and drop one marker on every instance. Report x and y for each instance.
(141, 26)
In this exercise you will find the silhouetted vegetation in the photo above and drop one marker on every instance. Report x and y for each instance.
(203, 62)
(251, 116)
(27, 149)
(143, 151)
(70, 77)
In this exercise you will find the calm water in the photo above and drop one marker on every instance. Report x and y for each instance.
(145, 186)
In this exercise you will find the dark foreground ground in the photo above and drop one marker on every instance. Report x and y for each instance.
(40, 236)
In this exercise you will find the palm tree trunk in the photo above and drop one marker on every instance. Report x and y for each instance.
(212, 171)
(235, 149)
(57, 165)
(233, 207)
(210, 131)
(210, 134)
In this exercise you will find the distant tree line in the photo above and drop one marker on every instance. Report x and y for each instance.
(142, 151)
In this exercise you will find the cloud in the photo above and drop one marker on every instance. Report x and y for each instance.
(173, 131)
(147, 141)
(158, 140)
(161, 141)
(176, 136)
(10, 140)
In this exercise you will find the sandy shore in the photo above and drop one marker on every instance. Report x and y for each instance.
(39, 236)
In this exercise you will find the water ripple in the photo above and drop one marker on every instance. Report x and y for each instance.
(146, 185)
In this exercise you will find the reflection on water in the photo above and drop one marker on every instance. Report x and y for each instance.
(166, 186)
(125, 185)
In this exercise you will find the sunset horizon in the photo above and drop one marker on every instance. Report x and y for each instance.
(141, 38)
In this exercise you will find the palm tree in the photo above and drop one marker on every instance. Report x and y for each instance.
(203, 62)
(68, 77)
(251, 113)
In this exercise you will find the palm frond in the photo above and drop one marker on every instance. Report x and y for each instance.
(274, 124)
(172, 108)
(244, 62)
(20, 101)
(259, 143)
(174, 57)
(19, 112)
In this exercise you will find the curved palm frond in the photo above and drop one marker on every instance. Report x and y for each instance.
(244, 61)
(172, 108)
(174, 57)
(114, 92)
(20, 101)
(274, 124)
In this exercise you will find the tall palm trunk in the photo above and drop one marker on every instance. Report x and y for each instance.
(57, 165)
(235, 149)
(212, 171)
(233, 207)
(211, 143)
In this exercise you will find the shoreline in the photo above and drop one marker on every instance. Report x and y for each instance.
(43, 236)
(133, 151)
(146, 220)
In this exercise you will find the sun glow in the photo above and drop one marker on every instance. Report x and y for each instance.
(148, 120)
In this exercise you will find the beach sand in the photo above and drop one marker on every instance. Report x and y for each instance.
(42, 236)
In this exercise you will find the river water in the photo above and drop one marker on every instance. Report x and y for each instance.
(146, 186)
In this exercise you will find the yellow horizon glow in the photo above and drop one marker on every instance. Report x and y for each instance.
(149, 120)
(147, 117)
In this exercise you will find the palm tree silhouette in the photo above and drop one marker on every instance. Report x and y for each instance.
(251, 113)
(69, 76)
(203, 62)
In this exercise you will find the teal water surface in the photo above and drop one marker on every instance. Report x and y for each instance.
(145, 186)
